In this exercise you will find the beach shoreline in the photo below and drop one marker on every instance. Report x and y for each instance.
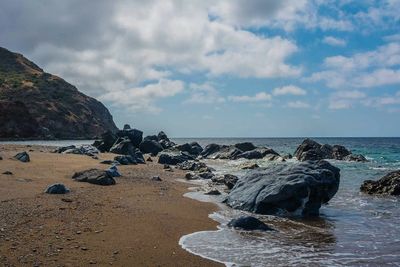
(137, 222)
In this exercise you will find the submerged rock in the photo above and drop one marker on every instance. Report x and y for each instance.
(300, 188)
(23, 157)
(387, 185)
(57, 189)
(94, 176)
(249, 223)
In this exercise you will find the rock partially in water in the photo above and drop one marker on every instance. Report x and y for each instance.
(230, 180)
(249, 223)
(257, 153)
(301, 188)
(312, 150)
(23, 157)
(387, 185)
(245, 146)
(250, 166)
(173, 158)
(213, 192)
(94, 176)
(211, 149)
(57, 189)
(194, 166)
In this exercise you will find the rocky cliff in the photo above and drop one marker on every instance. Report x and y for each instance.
(38, 105)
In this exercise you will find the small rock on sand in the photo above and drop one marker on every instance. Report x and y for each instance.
(23, 157)
(57, 189)
(7, 173)
(156, 178)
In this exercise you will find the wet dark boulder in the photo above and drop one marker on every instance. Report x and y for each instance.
(355, 157)
(127, 127)
(94, 176)
(230, 180)
(150, 146)
(192, 148)
(300, 188)
(211, 149)
(229, 152)
(387, 185)
(193, 166)
(173, 158)
(151, 137)
(249, 223)
(257, 153)
(23, 157)
(245, 146)
(123, 146)
(166, 144)
(340, 152)
(57, 189)
(162, 136)
(250, 166)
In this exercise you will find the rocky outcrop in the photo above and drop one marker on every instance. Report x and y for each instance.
(249, 223)
(192, 148)
(312, 150)
(301, 188)
(94, 176)
(173, 158)
(38, 105)
(387, 185)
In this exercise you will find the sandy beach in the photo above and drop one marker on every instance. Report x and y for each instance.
(136, 222)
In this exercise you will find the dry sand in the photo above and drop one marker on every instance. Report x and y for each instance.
(137, 222)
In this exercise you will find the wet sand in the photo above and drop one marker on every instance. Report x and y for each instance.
(137, 222)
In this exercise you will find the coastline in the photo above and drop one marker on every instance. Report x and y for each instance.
(136, 222)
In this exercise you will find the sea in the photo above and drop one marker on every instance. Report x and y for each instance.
(353, 229)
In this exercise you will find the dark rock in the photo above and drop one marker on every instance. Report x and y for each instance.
(126, 160)
(193, 166)
(138, 156)
(166, 143)
(173, 158)
(257, 153)
(7, 173)
(23, 157)
(57, 189)
(387, 185)
(149, 159)
(193, 148)
(355, 157)
(213, 192)
(162, 136)
(94, 176)
(211, 149)
(150, 146)
(156, 178)
(250, 166)
(245, 146)
(107, 141)
(151, 138)
(127, 127)
(249, 223)
(191, 176)
(300, 188)
(287, 156)
(1, 158)
(226, 152)
(166, 166)
(108, 162)
(123, 146)
(311, 150)
(206, 175)
(135, 135)
(113, 171)
(230, 180)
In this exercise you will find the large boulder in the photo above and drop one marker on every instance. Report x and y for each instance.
(229, 152)
(387, 185)
(173, 158)
(301, 188)
(134, 135)
(23, 157)
(249, 223)
(162, 136)
(312, 150)
(107, 140)
(123, 146)
(355, 157)
(211, 149)
(257, 153)
(192, 148)
(150, 146)
(94, 176)
(245, 146)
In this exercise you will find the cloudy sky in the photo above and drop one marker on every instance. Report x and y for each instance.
(223, 68)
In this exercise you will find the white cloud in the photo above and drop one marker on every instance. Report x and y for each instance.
(298, 104)
(345, 99)
(339, 104)
(143, 98)
(392, 38)
(350, 94)
(289, 90)
(259, 97)
(330, 40)
(362, 70)
(204, 94)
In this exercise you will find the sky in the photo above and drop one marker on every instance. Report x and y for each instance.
(222, 68)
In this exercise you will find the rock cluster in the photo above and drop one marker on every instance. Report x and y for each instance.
(312, 150)
(296, 188)
(387, 185)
